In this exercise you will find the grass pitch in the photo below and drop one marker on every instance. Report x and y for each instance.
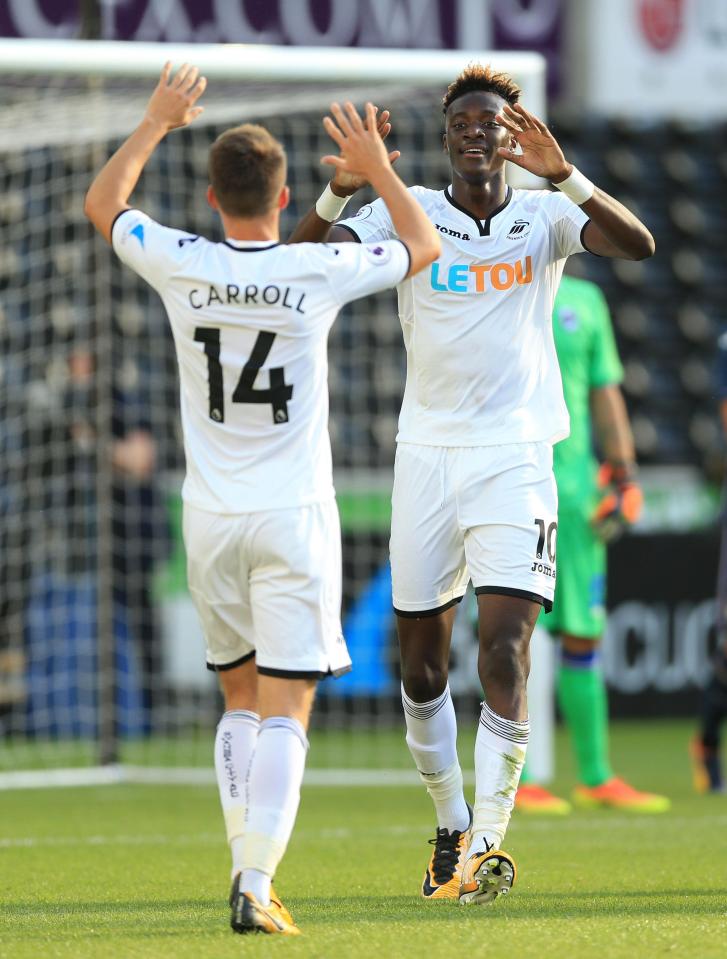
(141, 871)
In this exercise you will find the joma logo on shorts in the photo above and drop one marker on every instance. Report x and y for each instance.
(482, 277)
(543, 568)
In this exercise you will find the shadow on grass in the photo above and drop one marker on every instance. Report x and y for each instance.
(373, 909)
(524, 906)
(135, 920)
(111, 909)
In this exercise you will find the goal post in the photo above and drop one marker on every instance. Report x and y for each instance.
(268, 64)
(101, 658)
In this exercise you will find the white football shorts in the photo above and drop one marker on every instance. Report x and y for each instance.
(485, 513)
(268, 584)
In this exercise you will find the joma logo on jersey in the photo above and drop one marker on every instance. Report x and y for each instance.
(454, 233)
(481, 277)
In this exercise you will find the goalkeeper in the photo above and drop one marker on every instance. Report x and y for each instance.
(594, 506)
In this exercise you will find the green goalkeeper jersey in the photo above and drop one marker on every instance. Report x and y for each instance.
(588, 360)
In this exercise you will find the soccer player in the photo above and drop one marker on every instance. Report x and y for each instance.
(587, 517)
(474, 495)
(250, 320)
(705, 748)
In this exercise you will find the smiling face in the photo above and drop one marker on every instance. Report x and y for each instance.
(472, 136)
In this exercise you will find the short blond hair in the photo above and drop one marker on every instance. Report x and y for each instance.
(247, 168)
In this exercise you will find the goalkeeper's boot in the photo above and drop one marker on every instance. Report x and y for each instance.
(537, 801)
(617, 794)
(485, 876)
(706, 768)
(248, 915)
(444, 872)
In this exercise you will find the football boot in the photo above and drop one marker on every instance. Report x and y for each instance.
(537, 801)
(617, 794)
(444, 872)
(485, 876)
(249, 915)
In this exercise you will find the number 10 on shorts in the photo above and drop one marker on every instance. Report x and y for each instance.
(546, 538)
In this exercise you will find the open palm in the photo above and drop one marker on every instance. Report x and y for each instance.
(541, 154)
(345, 183)
(173, 102)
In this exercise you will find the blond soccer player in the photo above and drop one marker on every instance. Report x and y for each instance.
(250, 320)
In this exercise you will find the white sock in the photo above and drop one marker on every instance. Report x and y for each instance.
(274, 780)
(499, 758)
(431, 735)
(237, 733)
(258, 883)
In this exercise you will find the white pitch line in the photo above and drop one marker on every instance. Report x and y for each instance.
(195, 776)
(573, 824)
(200, 839)
(30, 842)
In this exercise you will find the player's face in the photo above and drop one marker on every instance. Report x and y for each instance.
(472, 136)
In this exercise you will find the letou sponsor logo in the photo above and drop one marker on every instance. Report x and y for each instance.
(481, 277)
(662, 22)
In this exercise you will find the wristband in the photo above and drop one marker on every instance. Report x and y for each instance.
(577, 187)
(329, 206)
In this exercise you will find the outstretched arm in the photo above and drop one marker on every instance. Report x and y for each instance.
(363, 154)
(613, 230)
(314, 228)
(171, 105)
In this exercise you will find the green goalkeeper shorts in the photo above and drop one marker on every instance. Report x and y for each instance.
(580, 580)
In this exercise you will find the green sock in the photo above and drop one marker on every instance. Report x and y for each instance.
(583, 703)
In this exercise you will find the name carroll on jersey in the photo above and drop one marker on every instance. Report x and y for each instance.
(250, 295)
(250, 321)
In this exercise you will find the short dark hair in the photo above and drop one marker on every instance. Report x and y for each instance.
(476, 77)
(247, 167)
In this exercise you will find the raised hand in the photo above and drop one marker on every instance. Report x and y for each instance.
(541, 154)
(345, 183)
(172, 104)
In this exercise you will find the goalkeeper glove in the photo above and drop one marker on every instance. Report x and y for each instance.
(621, 503)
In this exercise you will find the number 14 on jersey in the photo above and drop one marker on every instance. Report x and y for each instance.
(277, 394)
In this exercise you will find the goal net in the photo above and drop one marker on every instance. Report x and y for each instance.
(101, 655)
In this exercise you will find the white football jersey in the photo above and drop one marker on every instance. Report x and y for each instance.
(250, 323)
(481, 363)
